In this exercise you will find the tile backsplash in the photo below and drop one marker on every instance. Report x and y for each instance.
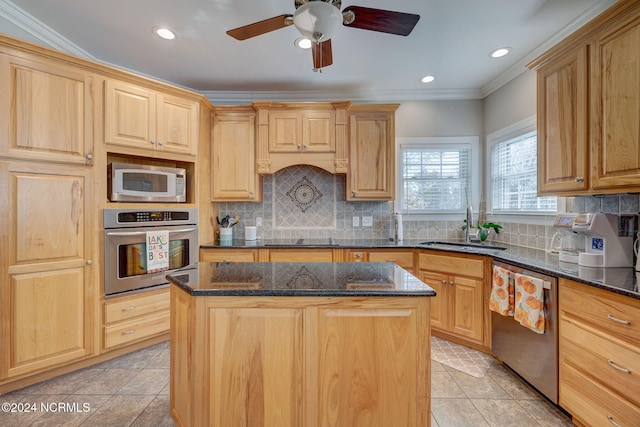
(308, 202)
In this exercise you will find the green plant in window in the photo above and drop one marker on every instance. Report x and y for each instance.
(484, 229)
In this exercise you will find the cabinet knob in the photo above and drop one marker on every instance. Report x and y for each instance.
(444, 282)
(152, 142)
(89, 262)
(358, 255)
(160, 143)
(452, 283)
(304, 146)
(251, 193)
(298, 146)
(579, 179)
(89, 156)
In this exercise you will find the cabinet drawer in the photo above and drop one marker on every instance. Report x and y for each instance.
(231, 255)
(588, 402)
(612, 313)
(129, 307)
(606, 360)
(453, 265)
(135, 330)
(403, 259)
(295, 255)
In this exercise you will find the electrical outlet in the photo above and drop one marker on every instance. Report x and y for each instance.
(258, 221)
(355, 221)
(367, 221)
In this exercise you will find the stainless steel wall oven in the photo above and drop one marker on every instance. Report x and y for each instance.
(125, 252)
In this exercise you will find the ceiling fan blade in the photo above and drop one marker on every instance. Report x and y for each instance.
(322, 55)
(259, 28)
(384, 21)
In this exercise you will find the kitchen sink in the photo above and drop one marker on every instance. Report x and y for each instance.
(462, 245)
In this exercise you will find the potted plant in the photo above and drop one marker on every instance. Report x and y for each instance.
(485, 229)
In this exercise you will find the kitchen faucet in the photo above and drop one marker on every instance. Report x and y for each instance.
(467, 229)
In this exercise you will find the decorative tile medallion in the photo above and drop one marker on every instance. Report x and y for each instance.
(304, 194)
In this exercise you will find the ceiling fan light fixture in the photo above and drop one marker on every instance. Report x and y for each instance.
(428, 79)
(500, 52)
(302, 43)
(317, 20)
(164, 33)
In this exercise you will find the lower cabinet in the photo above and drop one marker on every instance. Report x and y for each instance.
(228, 255)
(404, 258)
(458, 310)
(599, 355)
(296, 255)
(134, 318)
(292, 361)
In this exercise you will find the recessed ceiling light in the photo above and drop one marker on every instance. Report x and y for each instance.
(302, 43)
(428, 79)
(498, 53)
(165, 33)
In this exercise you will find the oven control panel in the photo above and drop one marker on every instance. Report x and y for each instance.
(115, 218)
(147, 216)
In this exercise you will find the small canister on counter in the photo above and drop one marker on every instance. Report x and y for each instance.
(250, 233)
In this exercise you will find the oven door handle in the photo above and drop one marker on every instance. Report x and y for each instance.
(139, 233)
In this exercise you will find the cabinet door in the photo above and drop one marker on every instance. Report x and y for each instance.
(129, 115)
(466, 316)
(440, 304)
(297, 255)
(319, 131)
(562, 124)
(47, 280)
(615, 103)
(371, 157)
(47, 110)
(177, 125)
(285, 134)
(233, 163)
(259, 353)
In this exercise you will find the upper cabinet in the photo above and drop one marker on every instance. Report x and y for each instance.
(47, 110)
(588, 105)
(141, 118)
(233, 155)
(290, 134)
(371, 152)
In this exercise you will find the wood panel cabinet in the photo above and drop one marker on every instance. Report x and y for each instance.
(228, 255)
(297, 255)
(300, 131)
(599, 355)
(371, 152)
(291, 361)
(404, 258)
(48, 293)
(458, 310)
(47, 109)
(233, 156)
(142, 118)
(588, 102)
(128, 319)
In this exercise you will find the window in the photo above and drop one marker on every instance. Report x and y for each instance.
(434, 178)
(514, 176)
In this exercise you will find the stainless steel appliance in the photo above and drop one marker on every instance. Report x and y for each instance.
(144, 183)
(531, 355)
(125, 264)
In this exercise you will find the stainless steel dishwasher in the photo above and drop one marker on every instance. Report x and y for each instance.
(531, 355)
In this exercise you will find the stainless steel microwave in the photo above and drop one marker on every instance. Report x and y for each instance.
(143, 183)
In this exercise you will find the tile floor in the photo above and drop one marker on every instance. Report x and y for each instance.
(133, 390)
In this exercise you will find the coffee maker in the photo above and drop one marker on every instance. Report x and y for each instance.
(609, 239)
(565, 241)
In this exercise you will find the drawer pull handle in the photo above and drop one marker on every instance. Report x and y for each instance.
(133, 307)
(129, 332)
(619, 368)
(610, 418)
(444, 282)
(615, 319)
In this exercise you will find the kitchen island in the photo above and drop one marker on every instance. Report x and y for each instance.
(299, 344)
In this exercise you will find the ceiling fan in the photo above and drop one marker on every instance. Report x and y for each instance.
(318, 20)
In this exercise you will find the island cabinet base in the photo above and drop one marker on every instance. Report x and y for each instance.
(299, 361)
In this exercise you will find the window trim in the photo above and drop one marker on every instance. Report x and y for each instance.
(473, 142)
(512, 131)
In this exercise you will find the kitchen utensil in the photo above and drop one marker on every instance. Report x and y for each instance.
(224, 223)
(217, 220)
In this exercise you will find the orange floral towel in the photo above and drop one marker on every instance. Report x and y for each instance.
(501, 300)
(529, 307)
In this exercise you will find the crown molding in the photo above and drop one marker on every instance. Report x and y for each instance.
(40, 31)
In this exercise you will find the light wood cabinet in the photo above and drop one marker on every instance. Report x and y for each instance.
(297, 255)
(371, 152)
(458, 310)
(48, 293)
(404, 258)
(228, 255)
(233, 156)
(291, 361)
(588, 100)
(301, 131)
(47, 110)
(142, 118)
(136, 317)
(599, 355)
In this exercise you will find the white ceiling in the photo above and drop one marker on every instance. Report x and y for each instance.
(452, 41)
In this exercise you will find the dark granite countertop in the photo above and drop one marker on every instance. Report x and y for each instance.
(299, 279)
(620, 280)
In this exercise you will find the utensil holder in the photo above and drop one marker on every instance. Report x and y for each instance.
(226, 234)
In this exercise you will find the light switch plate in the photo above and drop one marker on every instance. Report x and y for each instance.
(355, 221)
(258, 221)
(367, 221)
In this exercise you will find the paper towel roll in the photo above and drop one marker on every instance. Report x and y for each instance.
(250, 233)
